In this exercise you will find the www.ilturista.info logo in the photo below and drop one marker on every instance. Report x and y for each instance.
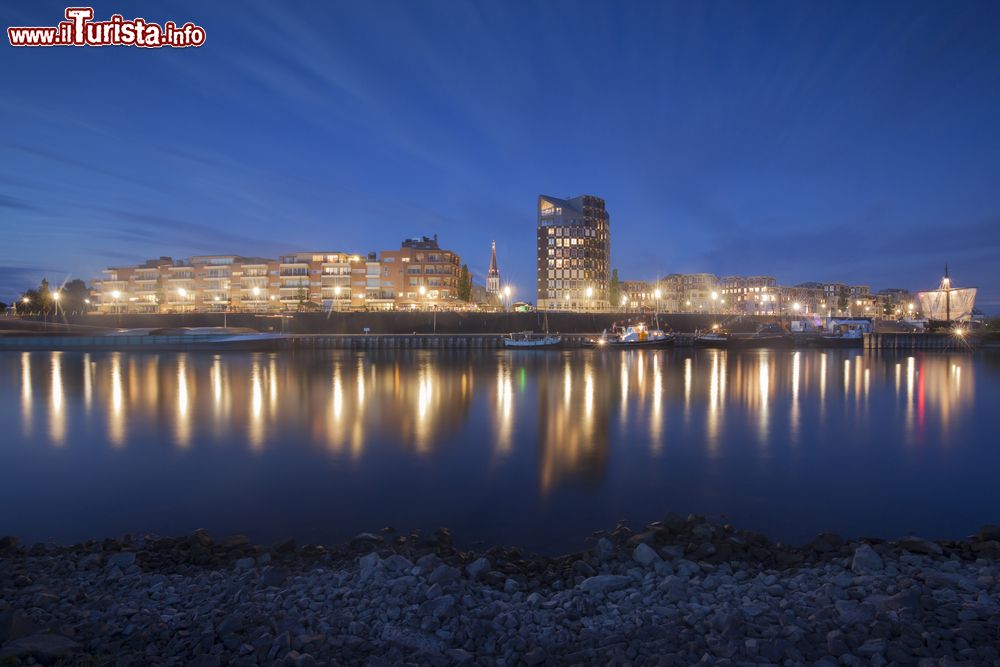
(79, 29)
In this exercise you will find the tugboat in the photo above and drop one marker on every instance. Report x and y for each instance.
(637, 335)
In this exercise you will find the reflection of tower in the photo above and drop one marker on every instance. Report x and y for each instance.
(493, 276)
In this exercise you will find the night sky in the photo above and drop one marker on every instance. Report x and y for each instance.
(847, 141)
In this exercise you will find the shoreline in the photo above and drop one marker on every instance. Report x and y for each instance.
(677, 592)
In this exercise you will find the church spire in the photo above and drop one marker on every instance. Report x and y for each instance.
(493, 276)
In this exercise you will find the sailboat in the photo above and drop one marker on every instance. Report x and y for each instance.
(529, 340)
(947, 304)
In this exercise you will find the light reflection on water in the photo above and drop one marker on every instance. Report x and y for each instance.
(536, 448)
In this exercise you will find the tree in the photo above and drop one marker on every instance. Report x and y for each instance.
(75, 295)
(615, 290)
(465, 284)
(29, 302)
(44, 295)
(301, 295)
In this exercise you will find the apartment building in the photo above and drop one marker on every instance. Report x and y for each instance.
(420, 275)
(574, 253)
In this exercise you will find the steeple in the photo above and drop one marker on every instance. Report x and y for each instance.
(493, 275)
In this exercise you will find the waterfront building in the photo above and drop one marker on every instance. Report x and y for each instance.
(420, 275)
(896, 302)
(574, 253)
(639, 295)
(691, 293)
(747, 295)
(493, 275)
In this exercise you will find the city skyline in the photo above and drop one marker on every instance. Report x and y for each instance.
(715, 151)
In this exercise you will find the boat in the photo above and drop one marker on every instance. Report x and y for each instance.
(948, 305)
(842, 333)
(713, 338)
(634, 336)
(528, 340)
(768, 337)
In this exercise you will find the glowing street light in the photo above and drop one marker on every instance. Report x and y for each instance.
(624, 300)
(256, 292)
(796, 306)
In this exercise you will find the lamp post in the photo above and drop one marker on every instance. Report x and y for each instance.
(715, 299)
(506, 297)
(590, 298)
(423, 292)
(336, 297)
(256, 298)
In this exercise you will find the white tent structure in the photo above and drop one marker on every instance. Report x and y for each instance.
(947, 303)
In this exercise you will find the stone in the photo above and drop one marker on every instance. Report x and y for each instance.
(234, 541)
(305, 660)
(411, 639)
(604, 549)
(919, 545)
(850, 612)
(205, 660)
(397, 563)
(438, 607)
(866, 561)
(645, 555)
(604, 583)
(46, 647)
(478, 567)
(444, 574)
(274, 576)
(989, 533)
(245, 564)
(535, 656)
(14, 625)
(122, 559)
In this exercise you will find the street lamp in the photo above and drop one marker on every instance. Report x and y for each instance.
(590, 297)
(796, 306)
(624, 300)
(715, 298)
(506, 295)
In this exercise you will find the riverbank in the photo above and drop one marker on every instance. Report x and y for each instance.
(678, 592)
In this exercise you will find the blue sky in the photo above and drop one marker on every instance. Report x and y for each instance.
(812, 141)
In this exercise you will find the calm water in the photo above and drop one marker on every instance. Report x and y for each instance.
(531, 448)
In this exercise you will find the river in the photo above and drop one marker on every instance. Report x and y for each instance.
(530, 448)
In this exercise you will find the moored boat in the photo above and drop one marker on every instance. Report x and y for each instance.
(634, 336)
(527, 340)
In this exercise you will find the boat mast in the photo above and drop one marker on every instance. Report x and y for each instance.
(947, 294)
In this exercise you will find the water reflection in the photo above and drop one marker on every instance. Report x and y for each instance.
(561, 408)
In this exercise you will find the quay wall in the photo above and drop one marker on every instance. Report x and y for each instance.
(413, 322)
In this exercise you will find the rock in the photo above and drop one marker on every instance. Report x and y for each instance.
(285, 546)
(850, 612)
(305, 660)
(583, 568)
(22, 581)
(604, 583)
(866, 561)
(45, 647)
(438, 607)
(645, 555)
(397, 563)
(988, 533)
(444, 574)
(366, 538)
(274, 576)
(205, 660)
(604, 549)
(919, 545)
(8, 543)
(535, 656)
(200, 537)
(245, 564)
(411, 639)
(826, 542)
(122, 559)
(14, 625)
(234, 541)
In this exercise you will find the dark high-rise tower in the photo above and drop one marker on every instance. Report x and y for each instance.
(493, 275)
(574, 253)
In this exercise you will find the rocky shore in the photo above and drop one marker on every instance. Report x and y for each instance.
(678, 592)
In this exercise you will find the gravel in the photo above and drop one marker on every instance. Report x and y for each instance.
(680, 591)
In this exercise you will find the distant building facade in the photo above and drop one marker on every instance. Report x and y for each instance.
(418, 275)
(574, 253)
